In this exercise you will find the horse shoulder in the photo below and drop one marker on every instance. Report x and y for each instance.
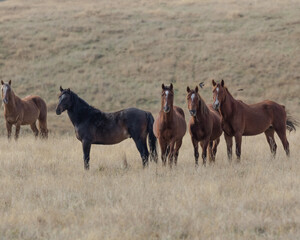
(179, 111)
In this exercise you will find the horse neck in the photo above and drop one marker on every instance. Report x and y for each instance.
(202, 112)
(168, 117)
(226, 107)
(78, 111)
(11, 107)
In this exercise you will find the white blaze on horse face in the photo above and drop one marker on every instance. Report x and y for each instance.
(4, 89)
(217, 100)
(193, 96)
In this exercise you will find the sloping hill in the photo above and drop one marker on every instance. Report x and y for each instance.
(116, 54)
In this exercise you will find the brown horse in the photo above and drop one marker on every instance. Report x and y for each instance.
(204, 127)
(24, 111)
(169, 126)
(240, 119)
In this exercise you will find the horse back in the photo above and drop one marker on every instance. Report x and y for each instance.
(33, 102)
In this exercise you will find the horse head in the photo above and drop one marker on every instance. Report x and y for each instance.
(167, 98)
(193, 100)
(6, 91)
(65, 100)
(218, 93)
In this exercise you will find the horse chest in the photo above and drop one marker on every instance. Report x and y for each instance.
(198, 132)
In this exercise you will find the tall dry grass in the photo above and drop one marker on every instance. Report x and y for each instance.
(46, 194)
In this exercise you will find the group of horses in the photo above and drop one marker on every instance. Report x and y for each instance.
(206, 125)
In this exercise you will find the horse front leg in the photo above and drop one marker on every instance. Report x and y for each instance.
(8, 128)
(228, 140)
(86, 147)
(238, 145)
(18, 127)
(196, 152)
(177, 147)
(163, 149)
(171, 153)
(204, 145)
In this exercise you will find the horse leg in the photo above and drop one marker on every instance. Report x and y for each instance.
(141, 145)
(8, 128)
(171, 154)
(204, 145)
(282, 135)
(210, 153)
(34, 129)
(228, 140)
(164, 151)
(215, 147)
(43, 128)
(196, 152)
(86, 147)
(238, 146)
(18, 127)
(270, 138)
(177, 147)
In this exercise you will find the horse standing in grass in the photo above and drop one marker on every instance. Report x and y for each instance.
(24, 111)
(204, 126)
(240, 119)
(169, 126)
(93, 126)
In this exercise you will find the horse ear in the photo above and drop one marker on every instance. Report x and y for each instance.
(163, 86)
(222, 83)
(68, 90)
(9, 82)
(61, 89)
(2, 82)
(213, 82)
(188, 89)
(171, 86)
(196, 89)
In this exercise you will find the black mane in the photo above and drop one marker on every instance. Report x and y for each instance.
(81, 111)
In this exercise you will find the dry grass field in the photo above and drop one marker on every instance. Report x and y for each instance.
(46, 194)
(116, 54)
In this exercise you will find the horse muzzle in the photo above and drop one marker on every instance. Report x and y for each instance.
(5, 101)
(193, 113)
(216, 106)
(58, 111)
(166, 109)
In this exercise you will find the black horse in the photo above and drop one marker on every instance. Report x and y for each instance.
(95, 127)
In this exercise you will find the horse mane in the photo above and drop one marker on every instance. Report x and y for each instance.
(86, 110)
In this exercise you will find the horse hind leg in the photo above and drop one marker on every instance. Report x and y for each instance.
(271, 141)
(34, 129)
(141, 145)
(215, 147)
(282, 135)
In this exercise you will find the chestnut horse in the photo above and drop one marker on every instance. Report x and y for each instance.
(169, 126)
(93, 126)
(240, 119)
(24, 111)
(204, 126)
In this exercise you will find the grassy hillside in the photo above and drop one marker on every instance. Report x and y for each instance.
(116, 54)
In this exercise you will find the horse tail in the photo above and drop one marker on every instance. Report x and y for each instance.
(291, 123)
(41, 104)
(151, 137)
